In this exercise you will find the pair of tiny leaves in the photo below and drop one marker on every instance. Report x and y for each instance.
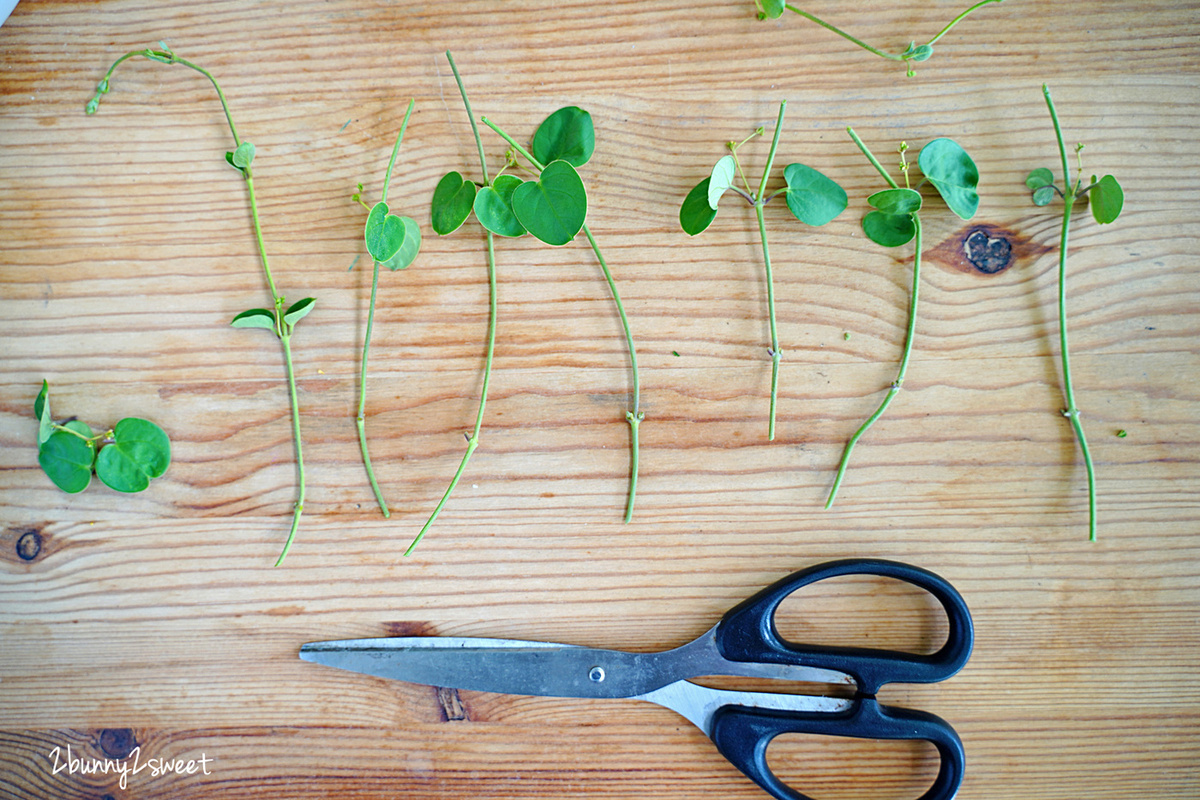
(947, 166)
(552, 207)
(241, 158)
(263, 318)
(1106, 197)
(391, 240)
(135, 452)
(812, 198)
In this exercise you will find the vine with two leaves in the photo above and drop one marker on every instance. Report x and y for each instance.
(895, 221)
(281, 319)
(1106, 198)
(913, 54)
(552, 206)
(812, 198)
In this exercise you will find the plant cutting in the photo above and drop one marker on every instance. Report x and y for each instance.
(552, 206)
(281, 319)
(812, 198)
(894, 222)
(1106, 199)
(126, 457)
(914, 53)
(393, 242)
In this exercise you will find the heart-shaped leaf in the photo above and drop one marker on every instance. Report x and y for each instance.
(41, 410)
(254, 318)
(1043, 195)
(452, 201)
(896, 201)
(772, 9)
(1107, 199)
(1039, 177)
(139, 452)
(722, 177)
(695, 215)
(812, 198)
(567, 134)
(493, 207)
(243, 156)
(554, 207)
(917, 52)
(298, 310)
(889, 230)
(407, 253)
(384, 233)
(953, 174)
(67, 459)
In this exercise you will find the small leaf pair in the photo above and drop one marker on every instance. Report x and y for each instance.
(125, 458)
(391, 240)
(552, 207)
(263, 318)
(1106, 197)
(241, 158)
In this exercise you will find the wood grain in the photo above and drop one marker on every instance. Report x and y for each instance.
(156, 622)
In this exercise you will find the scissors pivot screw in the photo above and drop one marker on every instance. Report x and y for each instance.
(596, 674)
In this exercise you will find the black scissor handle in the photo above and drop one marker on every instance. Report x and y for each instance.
(742, 735)
(748, 633)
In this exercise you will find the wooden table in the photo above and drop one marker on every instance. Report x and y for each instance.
(154, 626)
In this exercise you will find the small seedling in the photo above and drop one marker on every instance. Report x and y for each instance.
(126, 457)
(895, 222)
(553, 207)
(280, 319)
(811, 197)
(914, 53)
(1106, 199)
(393, 242)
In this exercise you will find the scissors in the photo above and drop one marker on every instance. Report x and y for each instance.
(744, 643)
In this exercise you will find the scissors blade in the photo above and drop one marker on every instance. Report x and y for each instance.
(504, 666)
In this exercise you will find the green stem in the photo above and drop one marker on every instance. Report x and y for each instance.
(1071, 412)
(360, 419)
(894, 389)
(298, 508)
(635, 416)
(871, 157)
(473, 439)
(959, 19)
(759, 201)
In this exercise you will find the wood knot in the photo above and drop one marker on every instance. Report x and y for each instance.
(985, 249)
(117, 743)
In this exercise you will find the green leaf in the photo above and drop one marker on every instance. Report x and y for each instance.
(298, 310)
(254, 318)
(1107, 199)
(953, 173)
(554, 207)
(243, 155)
(493, 207)
(567, 134)
(896, 201)
(67, 459)
(812, 198)
(917, 52)
(407, 253)
(452, 201)
(1040, 177)
(889, 230)
(772, 9)
(41, 410)
(139, 452)
(383, 232)
(724, 172)
(1043, 195)
(695, 215)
